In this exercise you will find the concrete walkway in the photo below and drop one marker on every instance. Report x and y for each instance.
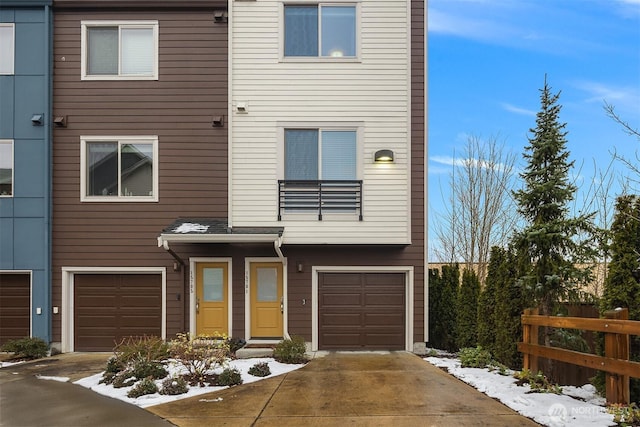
(362, 389)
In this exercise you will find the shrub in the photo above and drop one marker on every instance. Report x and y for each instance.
(475, 357)
(199, 356)
(155, 370)
(123, 379)
(290, 350)
(260, 370)
(174, 385)
(26, 348)
(467, 310)
(625, 415)
(235, 344)
(229, 377)
(538, 382)
(145, 386)
(144, 348)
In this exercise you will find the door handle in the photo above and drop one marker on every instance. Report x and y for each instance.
(281, 304)
(197, 305)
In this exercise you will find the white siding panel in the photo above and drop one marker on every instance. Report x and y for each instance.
(372, 91)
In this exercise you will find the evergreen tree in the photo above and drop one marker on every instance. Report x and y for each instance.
(550, 239)
(622, 287)
(467, 312)
(509, 305)
(450, 285)
(443, 291)
(435, 309)
(487, 302)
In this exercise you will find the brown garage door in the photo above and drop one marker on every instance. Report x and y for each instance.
(15, 292)
(109, 307)
(361, 311)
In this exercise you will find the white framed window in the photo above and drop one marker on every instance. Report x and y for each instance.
(322, 30)
(6, 168)
(318, 154)
(125, 50)
(119, 168)
(7, 48)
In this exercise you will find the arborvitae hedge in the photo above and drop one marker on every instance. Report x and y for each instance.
(487, 303)
(443, 291)
(621, 289)
(467, 313)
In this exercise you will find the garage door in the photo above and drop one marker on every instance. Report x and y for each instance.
(15, 298)
(109, 307)
(361, 311)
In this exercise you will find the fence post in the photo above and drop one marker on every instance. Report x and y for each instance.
(616, 346)
(530, 336)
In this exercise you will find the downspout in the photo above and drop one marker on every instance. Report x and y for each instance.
(165, 244)
(48, 188)
(277, 244)
(185, 283)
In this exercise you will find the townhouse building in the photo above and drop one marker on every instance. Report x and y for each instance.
(25, 172)
(253, 168)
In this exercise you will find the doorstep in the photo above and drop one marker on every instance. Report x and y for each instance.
(250, 352)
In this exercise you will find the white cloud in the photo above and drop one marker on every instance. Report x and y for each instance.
(518, 110)
(622, 97)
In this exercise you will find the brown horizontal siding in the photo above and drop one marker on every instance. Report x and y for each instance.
(416, 252)
(178, 108)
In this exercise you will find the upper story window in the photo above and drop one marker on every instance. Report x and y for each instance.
(320, 154)
(119, 168)
(6, 168)
(7, 48)
(125, 50)
(322, 30)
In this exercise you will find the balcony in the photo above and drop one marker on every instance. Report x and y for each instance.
(320, 196)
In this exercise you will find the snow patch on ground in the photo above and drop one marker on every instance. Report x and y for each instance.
(576, 407)
(59, 379)
(241, 365)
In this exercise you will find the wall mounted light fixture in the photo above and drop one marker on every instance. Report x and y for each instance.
(383, 156)
(37, 119)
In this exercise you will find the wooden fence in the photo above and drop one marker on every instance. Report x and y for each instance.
(615, 362)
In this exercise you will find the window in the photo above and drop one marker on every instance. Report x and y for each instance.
(119, 168)
(319, 154)
(324, 30)
(7, 48)
(119, 50)
(6, 168)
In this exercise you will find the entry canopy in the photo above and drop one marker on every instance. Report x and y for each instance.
(216, 230)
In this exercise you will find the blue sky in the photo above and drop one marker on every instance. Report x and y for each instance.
(486, 63)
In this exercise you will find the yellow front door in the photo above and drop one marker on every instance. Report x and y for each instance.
(267, 300)
(212, 299)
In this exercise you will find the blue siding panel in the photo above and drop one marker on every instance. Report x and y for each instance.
(6, 106)
(29, 207)
(6, 243)
(30, 15)
(29, 169)
(29, 243)
(40, 299)
(29, 99)
(30, 38)
(6, 208)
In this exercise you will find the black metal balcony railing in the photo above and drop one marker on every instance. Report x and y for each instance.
(319, 196)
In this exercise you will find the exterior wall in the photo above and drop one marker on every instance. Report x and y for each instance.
(178, 108)
(24, 217)
(371, 92)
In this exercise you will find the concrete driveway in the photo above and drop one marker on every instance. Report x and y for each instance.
(362, 389)
(28, 401)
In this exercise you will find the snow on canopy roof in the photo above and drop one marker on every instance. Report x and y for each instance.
(215, 226)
